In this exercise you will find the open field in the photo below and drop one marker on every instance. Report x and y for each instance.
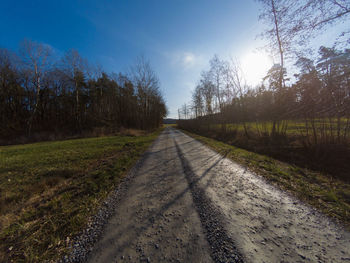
(320, 144)
(48, 190)
(330, 195)
(321, 127)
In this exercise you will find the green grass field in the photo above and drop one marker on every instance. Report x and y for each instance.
(48, 190)
(318, 144)
(292, 127)
(330, 195)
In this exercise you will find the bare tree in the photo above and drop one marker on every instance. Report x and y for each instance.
(208, 91)
(74, 68)
(66, 99)
(311, 16)
(197, 101)
(238, 83)
(276, 14)
(236, 78)
(294, 23)
(147, 83)
(36, 58)
(185, 110)
(216, 73)
(143, 75)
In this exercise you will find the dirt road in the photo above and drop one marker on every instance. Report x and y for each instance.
(187, 203)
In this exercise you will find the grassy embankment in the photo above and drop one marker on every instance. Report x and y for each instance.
(48, 190)
(330, 195)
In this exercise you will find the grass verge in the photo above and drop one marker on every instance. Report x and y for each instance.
(327, 194)
(48, 190)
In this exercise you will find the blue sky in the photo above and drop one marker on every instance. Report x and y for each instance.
(178, 36)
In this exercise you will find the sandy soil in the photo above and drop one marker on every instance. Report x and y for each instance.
(187, 203)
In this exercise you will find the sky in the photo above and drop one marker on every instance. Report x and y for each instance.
(179, 37)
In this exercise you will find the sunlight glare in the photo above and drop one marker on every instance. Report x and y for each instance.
(255, 65)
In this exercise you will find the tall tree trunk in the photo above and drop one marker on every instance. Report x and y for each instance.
(279, 42)
(36, 105)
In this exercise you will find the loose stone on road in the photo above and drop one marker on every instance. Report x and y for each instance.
(156, 221)
(186, 203)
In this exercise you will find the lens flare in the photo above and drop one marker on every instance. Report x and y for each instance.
(255, 66)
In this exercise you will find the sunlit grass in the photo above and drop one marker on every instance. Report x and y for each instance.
(49, 189)
(330, 195)
(292, 127)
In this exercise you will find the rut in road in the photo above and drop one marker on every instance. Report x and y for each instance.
(156, 220)
(267, 224)
(186, 203)
(222, 246)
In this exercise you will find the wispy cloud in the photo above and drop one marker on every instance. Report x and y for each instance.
(188, 59)
(183, 69)
(185, 59)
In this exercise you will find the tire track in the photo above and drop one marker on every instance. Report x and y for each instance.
(222, 247)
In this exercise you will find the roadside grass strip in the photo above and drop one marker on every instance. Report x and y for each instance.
(322, 191)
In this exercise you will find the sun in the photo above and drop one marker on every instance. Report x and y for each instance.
(255, 65)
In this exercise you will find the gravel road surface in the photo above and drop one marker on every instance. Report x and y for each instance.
(186, 203)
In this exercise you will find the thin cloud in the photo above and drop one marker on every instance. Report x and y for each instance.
(189, 60)
(186, 60)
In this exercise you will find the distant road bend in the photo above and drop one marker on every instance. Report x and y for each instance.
(187, 203)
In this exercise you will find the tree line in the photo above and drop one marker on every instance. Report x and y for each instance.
(41, 92)
(319, 95)
(304, 120)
